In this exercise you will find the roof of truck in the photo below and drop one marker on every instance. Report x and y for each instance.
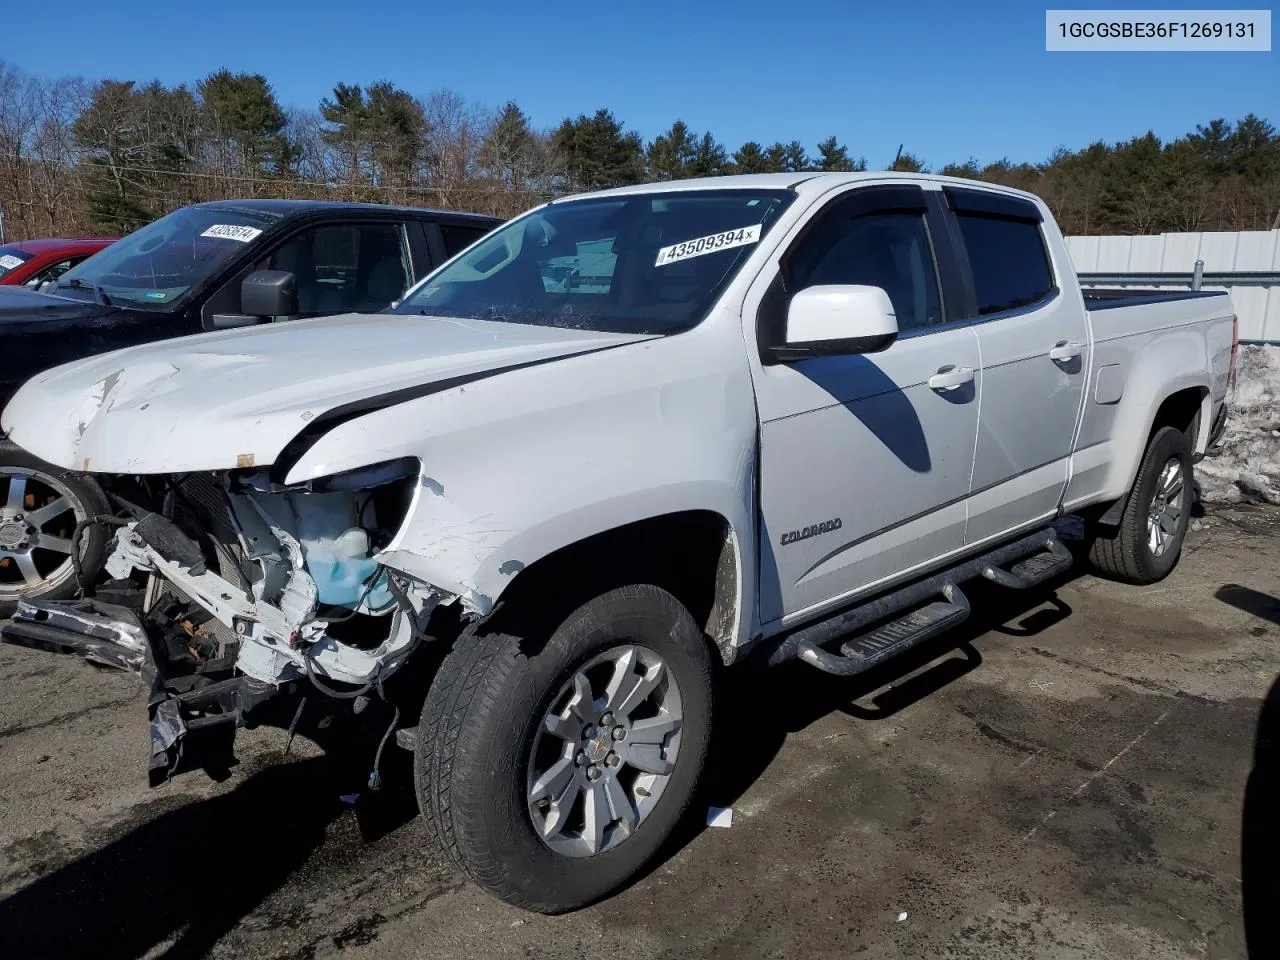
(283, 208)
(803, 181)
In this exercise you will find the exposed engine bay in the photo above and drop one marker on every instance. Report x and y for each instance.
(237, 589)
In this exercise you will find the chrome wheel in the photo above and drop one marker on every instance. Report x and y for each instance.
(604, 751)
(38, 515)
(1167, 507)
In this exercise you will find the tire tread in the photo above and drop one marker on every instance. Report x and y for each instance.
(1118, 552)
(466, 698)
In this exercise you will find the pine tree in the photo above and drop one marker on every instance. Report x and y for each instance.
(749, 158)
(908, 163)
(775, 158)
(709, 159)
(794, 158)
(834, 156)
(671, 154)
(380, 133)
(243, 123)
(597, 152)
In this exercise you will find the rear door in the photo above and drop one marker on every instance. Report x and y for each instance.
(1034, 343)
(865, 460)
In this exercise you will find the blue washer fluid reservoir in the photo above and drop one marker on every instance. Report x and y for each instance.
(337, 553)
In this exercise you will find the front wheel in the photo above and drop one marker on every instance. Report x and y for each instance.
(1148, 541)
(553, 773)
(40, 505)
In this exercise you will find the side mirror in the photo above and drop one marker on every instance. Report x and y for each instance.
(269, 293)
(838, 319)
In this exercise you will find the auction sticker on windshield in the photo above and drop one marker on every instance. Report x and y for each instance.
(9, 261)
(231, 231)
(712, 244)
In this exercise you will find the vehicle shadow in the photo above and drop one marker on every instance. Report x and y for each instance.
(174, 885)
(758, 709)
(1260, 816)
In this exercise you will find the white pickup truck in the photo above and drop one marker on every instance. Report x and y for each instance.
(626, 439)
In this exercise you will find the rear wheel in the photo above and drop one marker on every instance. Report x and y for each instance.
(1145, 546)
(40, 505)
(553, 772)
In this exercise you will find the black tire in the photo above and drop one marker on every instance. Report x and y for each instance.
(43, 483)
(477, 731)
(1123, 552)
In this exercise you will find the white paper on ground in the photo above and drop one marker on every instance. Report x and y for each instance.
(720, 816)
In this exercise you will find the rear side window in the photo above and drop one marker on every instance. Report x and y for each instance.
(457, 237)
(1009, 262)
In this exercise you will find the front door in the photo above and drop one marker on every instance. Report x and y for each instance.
(865, 459)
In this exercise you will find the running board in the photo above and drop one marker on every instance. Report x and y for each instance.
(1035, 569)
(887, 641)
(934, 605)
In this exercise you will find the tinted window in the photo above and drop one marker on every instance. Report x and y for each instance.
(886, 250)
(458, 237)
(643, 263)
(1010, 266)
(346, 268)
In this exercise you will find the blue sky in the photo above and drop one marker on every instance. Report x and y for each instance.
(950, 80)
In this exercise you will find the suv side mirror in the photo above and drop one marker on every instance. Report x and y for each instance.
(838, 319)
(269, 293)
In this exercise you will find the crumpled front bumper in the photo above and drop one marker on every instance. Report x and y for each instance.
(190, 729)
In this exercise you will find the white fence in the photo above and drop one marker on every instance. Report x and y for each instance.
(1246, 263)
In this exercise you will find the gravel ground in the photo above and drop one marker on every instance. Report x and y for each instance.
(1069, 777)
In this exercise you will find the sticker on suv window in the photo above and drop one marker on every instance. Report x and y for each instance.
(231, 231)
(712, 244)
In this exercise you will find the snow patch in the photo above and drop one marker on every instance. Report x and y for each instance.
(1248, 468)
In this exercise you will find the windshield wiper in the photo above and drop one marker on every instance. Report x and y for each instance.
(75, 283)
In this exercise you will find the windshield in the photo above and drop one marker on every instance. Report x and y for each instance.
(162, 261)
(11, 259)
(643, 263)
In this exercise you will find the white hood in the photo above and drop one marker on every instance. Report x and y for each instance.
(235, 398)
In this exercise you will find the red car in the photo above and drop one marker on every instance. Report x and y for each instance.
(33, 262)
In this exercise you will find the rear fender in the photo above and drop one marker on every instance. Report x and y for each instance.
(1174, 362)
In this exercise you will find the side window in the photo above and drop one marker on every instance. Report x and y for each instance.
(1009, 262)
(52, 272)
(886, 250)
(457, 237)
(346, 268)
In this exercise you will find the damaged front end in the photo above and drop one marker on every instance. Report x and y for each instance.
(245, 591)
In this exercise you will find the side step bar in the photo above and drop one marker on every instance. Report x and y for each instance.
(935, 605)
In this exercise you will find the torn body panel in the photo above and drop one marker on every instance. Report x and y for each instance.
(514, 469)
(249, 590)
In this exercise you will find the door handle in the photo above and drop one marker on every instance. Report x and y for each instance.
(1065, 350)
(948, 378)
